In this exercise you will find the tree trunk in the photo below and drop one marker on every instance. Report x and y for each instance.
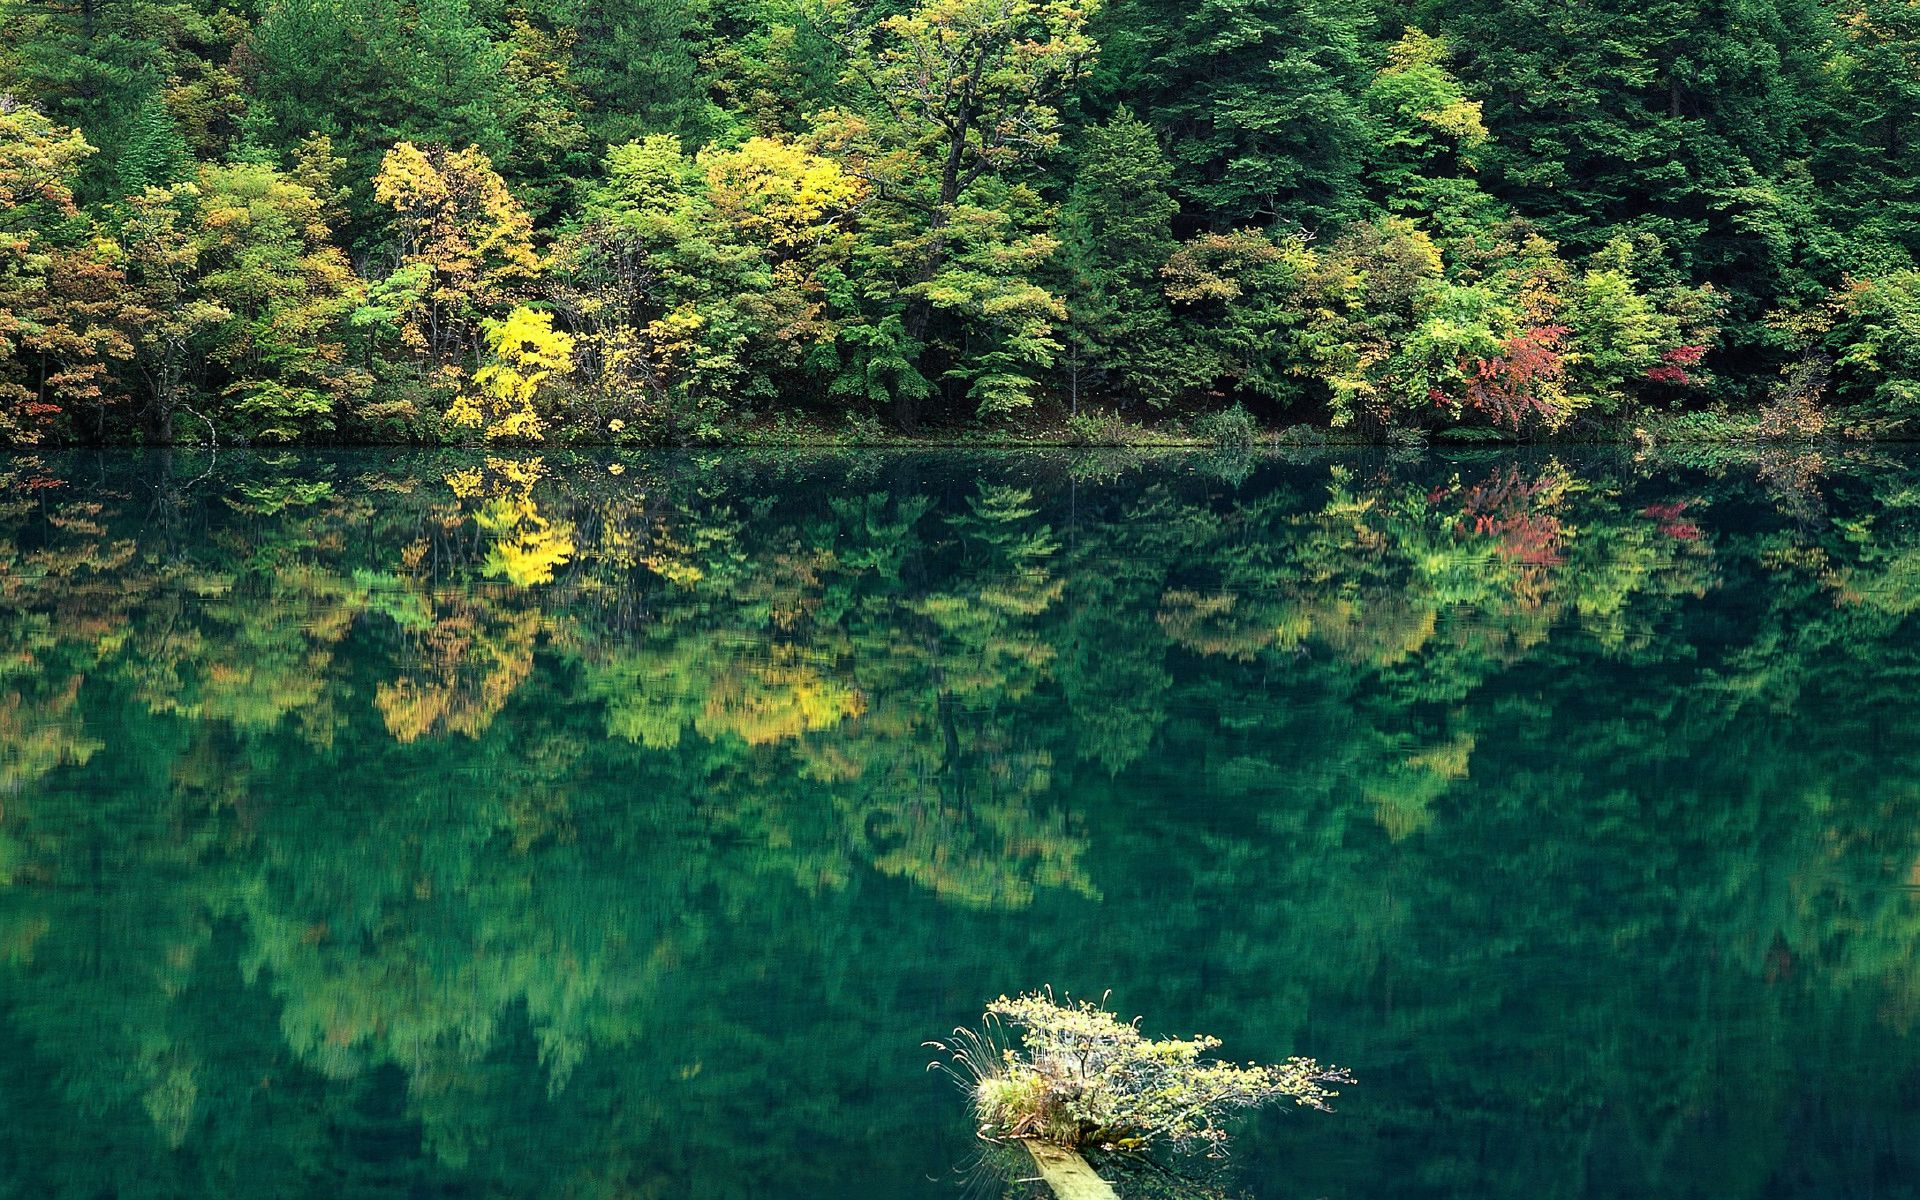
(906, 413)
(1067, 1173)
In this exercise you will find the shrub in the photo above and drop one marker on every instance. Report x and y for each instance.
(1095, 427)
(1081, 1076)
(1793, 412)
(1230, 428)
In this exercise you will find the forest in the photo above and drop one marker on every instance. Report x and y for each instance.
(677, 221)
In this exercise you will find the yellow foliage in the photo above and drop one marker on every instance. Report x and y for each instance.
(778, 193)
(525, 350)
(777, 699)
(455, 218)
(527, 546)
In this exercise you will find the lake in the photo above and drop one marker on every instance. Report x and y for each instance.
(395, 824)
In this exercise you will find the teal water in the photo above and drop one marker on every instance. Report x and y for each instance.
(387, 825)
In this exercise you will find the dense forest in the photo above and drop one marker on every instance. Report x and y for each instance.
(652, 221)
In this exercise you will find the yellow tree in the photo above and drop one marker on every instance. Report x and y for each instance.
(523, 352)
(695, 285)
(58, 284)
(790, 206)
(468, 240)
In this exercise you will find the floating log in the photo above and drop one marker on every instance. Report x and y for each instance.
(1068, 1174)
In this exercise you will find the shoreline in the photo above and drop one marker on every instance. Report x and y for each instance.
(1097, 430)
(1268, 442)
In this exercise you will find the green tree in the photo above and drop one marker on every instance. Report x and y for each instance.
(113, 69)
(155, 155)
(369, 73)
(637, 63)
(1424, 137)
(1615, 117)
(1116, 233)
(953, 102)
(267, 260)
(1257, 100)
(167, 318)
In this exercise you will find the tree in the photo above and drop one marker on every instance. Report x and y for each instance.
(167, 318)
(653, 284)
(267, 260)
(369, 73)
(1621, 117)
(112, 69)
(1258, 101)
(1116, 233)
(707, 282)
(155, 155)
(59, 286)
(523, 352)
(1876, 340)
(951, 101)
(637, 63)
(1423, 138)
(1869, 158)
(1234, 293)
(456, 223)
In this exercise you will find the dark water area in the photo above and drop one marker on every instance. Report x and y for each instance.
(387, 825)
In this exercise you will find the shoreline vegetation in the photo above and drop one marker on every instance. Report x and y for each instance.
(700, 222)
(1104, 430)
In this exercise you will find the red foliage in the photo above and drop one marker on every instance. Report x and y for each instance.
(1670, 524)
(1511, 507)
(1674, 363)
(1508, 388)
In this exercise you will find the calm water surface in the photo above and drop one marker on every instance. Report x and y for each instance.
(578, 826)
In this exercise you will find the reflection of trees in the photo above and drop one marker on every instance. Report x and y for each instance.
(606, 805)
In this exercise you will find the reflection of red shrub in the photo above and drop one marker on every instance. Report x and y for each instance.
(1674, 363)
(1510, 388)
(1670, 524)
(1508, 506)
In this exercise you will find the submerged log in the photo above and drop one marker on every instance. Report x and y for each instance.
(1068, 1174)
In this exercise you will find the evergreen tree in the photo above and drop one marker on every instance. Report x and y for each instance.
(368, 73)
(1614, 116)
(1258, 101)
(637, 63)
(1116, 233)
(100, 65)
(155, 155)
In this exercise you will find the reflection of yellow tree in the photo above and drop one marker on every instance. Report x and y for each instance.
(39, 734)
(476, 648)
(527, 546)
(898, 701)
(467, 667)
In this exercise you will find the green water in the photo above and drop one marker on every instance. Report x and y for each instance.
(425, 826)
